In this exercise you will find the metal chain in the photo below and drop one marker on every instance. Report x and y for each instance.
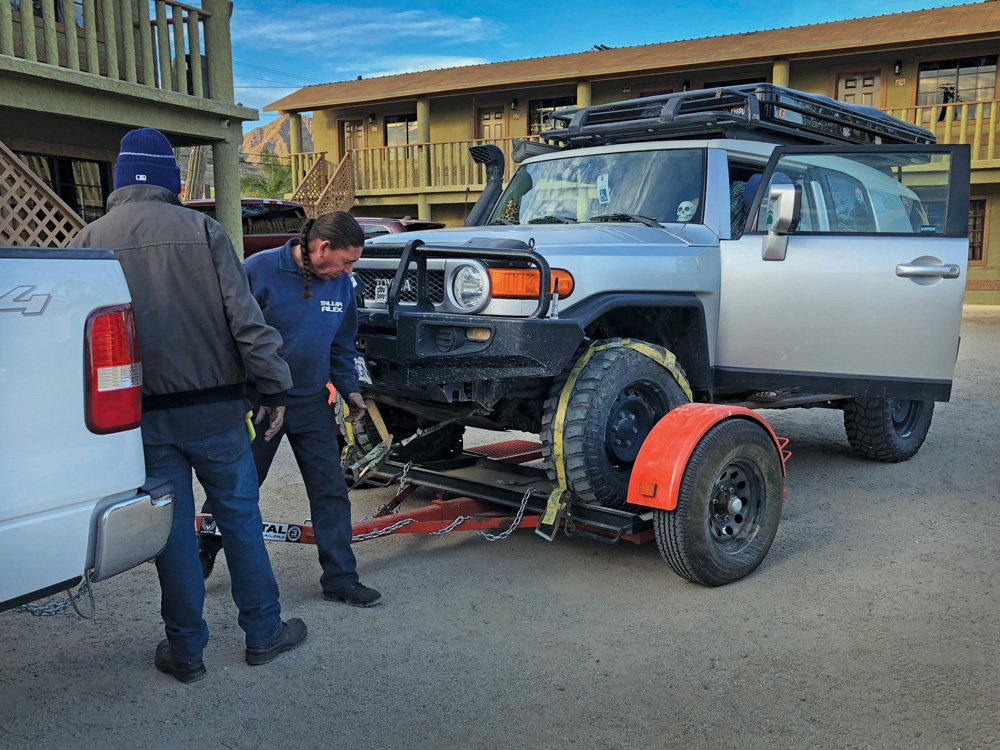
(404, 475)
(489, 537)
(60, 606)
(382, 532)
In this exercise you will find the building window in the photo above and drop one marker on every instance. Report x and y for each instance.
(400, 130)
(36, 7)
(977, 230)
(539, 110)
(968, 79)
(82, 185)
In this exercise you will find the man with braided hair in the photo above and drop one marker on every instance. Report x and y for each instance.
(306, 291)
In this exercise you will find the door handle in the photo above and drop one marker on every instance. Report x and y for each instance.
(910, 270)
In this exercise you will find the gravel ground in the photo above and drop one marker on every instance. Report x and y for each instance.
(871, 624)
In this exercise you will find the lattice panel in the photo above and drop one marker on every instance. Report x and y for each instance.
(311, 188)
(339, 192)
(31, 214)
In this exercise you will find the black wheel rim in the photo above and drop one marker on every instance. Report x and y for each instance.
(735, 507)
(905, 416)
(638, 407)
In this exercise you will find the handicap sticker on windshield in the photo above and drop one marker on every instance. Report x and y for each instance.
(603, 193)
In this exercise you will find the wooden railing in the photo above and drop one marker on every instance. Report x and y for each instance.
(156, 43)
(304, 163)
(974, 123)
(423, 166)
(339, 192)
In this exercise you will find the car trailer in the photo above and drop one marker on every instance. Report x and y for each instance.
(707, 486)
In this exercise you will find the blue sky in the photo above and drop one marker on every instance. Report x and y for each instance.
(282, 45)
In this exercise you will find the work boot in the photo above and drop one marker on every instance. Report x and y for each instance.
(357, 595)
(292, 633)
(208, 549)
(185, 671)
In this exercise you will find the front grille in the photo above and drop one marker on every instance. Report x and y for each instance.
(368, 279)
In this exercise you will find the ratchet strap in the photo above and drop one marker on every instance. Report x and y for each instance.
(557, 508)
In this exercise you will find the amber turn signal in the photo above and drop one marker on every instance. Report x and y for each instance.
(523, 283)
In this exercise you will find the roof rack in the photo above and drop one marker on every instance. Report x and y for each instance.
(759, 112)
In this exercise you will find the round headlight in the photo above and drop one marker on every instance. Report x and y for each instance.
(470, 287)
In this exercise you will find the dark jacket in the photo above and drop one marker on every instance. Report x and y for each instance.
(197, 322)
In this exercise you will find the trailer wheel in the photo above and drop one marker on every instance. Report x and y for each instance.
(728, 507)
(887, 429)
(439, 444)
(619, 395)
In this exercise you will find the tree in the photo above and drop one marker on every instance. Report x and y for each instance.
(271, 177)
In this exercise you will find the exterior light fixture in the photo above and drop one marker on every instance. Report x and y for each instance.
(513, 103)
(371, 118)
(898, 67)
(686, 86)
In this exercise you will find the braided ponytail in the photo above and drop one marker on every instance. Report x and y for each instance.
(307, 273)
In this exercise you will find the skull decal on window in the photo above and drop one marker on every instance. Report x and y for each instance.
(685, 211)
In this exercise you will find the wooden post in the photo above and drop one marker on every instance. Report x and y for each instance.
(28, 32)
(163, 46)
(146, 45)
(49, 32)
(6, 30)
(219, 51)
(110, 28)
(90, 37)
(180, 65)
(583, 94)
(69, 26)
(194, 51)
(423, 150)
(128, 41)
(780, 72)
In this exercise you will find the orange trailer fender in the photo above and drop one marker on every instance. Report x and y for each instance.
(663, 457)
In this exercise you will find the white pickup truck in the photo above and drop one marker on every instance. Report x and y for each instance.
(74, 500)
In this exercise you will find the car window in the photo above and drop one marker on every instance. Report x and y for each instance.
(867, 193)
(375, 230)
(275, 219)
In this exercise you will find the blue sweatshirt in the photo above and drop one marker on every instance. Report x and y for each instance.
(317, 333)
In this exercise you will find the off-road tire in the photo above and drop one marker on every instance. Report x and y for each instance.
(705, 539)
(612, 383)
(885, 429)
(439, 444)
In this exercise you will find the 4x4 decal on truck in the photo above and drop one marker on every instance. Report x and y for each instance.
(20, 299)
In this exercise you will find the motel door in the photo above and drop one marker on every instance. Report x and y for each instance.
(491, 124)
(859, 88)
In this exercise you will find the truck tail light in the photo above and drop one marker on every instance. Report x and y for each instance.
(523, 283)
(113, 370)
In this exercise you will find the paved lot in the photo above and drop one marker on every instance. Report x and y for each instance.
(873, 623)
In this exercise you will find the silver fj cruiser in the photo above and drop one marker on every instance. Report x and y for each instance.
(751, 245)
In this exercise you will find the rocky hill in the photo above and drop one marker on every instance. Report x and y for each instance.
(276, 137)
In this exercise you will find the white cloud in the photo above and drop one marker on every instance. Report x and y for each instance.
(342, 32)
(387, 65)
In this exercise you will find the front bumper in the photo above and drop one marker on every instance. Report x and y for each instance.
(432, 349)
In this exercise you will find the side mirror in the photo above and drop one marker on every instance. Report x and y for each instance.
(784, 205)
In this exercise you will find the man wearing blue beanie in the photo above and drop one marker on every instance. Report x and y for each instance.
(200, 330)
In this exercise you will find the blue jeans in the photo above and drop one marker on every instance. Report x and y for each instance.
(224, 465)
(312, 434)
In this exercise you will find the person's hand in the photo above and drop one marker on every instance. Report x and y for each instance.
(276, 417)
(356, 407)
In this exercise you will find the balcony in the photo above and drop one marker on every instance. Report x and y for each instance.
(973, 123)
(154, 43)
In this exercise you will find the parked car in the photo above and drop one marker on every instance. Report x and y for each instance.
(374, 227)
(267, 222)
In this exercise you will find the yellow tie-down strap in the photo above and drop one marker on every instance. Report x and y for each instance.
(558, 505)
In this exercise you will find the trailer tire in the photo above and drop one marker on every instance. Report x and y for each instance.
(728, 506)
(618, 396)
(887, 429)
(439, 444)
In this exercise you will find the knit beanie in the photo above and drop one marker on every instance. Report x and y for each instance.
(146, 158)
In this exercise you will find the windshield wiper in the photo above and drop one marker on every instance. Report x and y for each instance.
(649, 222)
(505, 222)
(552, 219)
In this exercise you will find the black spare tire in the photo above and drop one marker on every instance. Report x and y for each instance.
(617, 398)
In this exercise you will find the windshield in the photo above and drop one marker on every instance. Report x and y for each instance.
(663, 185)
